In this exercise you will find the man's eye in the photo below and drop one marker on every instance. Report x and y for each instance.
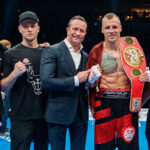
(82, 31)
(75, 29)
(25, 26)
(115, 27)
(107, 27)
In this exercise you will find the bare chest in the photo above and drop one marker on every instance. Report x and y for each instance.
(111, 62)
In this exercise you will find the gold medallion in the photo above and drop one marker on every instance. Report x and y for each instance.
(136, 72)
(128, 40)
(133, 56)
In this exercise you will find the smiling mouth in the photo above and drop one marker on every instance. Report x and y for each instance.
(111, 36)
(77, 38)
(30, 34)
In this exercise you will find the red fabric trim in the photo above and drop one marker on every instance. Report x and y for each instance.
(122, 122)
(95, 57)
(104, 132)
(105, 89)
(102, 113)
(98, 103)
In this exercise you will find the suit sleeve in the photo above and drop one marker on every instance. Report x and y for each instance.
(48, 72)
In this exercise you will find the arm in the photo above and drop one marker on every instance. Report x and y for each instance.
(3, 95)
(8, 82)
(94, 75)
(51, 79)
(94, 66)
(145, 77)
(45, 44)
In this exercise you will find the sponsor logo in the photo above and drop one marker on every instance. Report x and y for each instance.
(128, 133)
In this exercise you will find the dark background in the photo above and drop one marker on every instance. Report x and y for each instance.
(54, 16)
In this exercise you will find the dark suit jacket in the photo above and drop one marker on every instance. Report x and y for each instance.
(57, 73)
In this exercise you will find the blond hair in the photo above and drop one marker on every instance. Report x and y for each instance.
(110, 16)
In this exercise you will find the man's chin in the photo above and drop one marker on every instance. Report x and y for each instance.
(77, 42)
(112, 39)
(30, 38)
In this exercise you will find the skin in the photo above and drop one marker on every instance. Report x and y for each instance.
(45, 44)
(115, 79)
(75, 35)
(144, 77)
(29, 30)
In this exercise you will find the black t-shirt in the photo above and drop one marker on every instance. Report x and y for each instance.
(2, 50)
(27, 97)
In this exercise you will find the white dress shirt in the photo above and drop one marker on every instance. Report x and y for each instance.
(76, 56)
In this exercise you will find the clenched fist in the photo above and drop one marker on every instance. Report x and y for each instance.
(83, 76)
(19, 69)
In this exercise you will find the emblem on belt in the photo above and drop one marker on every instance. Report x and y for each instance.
(136, 104)
(133, 56)
(128, 40)
(136, 72)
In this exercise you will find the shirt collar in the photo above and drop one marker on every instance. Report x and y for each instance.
(70, 46)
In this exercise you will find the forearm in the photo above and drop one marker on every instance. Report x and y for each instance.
(8, 82)
(59, 84)
(92, 85)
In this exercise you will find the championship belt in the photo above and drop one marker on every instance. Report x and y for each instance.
(134, 64)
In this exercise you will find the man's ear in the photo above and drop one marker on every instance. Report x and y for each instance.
(102, 31)
(120, 28)
(19, 28)
(39, 29)
(67, 29)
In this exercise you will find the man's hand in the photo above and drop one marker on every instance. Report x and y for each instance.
(145, 77)
(3, 95)
(19, 69)
(95, 73)
(83, 76)
(45, 44)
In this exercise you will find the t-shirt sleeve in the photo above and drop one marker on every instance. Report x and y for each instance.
(7, 67)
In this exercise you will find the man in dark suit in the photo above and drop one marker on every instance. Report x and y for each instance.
(63, 74)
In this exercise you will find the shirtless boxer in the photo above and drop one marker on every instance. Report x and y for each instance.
(115, 125)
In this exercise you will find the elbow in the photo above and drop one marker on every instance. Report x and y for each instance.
(46, 85)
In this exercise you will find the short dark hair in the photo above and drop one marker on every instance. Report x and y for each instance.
(78, 17)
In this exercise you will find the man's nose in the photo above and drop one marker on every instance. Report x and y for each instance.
(29, 28)
(111, 30)
(78, 32)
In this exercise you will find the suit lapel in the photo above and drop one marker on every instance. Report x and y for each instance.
(67, 57)
(84, 60)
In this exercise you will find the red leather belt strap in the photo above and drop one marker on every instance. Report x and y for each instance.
(134, 64)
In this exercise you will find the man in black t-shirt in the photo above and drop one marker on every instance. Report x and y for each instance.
(2, 50)
(2, 94)
(21, 74)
